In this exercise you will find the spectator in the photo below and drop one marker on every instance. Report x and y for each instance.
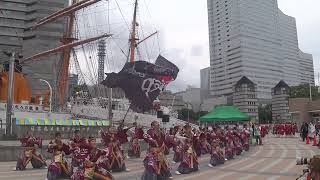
(257, 134)
(304, 131)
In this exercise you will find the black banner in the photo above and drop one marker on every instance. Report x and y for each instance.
(142, 82)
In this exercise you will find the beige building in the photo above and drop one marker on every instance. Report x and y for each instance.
(304, 110)
(192, 97)
(280, 102)
(245, 97)
(168, 99)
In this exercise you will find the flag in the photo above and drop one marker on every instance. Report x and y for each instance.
(142, 82)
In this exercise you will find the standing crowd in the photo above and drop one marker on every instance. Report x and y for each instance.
(91, 162)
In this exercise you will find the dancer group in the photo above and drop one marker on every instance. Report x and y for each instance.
(285, 129)
(91, 162)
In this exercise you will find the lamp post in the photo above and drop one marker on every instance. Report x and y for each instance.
(50, 96)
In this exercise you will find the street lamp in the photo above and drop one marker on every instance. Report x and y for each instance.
(50, 97)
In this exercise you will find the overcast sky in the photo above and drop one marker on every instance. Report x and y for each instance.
(184, 31)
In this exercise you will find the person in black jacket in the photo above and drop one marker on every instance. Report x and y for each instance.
(304, 131)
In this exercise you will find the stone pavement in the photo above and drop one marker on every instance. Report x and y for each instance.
(275, 160)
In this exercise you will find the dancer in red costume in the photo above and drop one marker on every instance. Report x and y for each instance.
(155, 163)
(177, 147)
(189, 161)
(229, 145)
(58, 167)
(204, 145)
(217, 155)
(111, 141)
(96, 164)
(29, 153)
(92, 162)
(134, 150)
(78, 148)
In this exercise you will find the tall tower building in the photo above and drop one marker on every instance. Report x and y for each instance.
(253, 38)
(16, 18)
(101, 59)
(205, 82)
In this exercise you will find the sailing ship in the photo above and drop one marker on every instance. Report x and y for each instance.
(141, 81)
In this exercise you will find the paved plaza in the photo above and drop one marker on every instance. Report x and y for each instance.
(276, 159)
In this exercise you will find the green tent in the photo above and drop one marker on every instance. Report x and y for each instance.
(224, 114)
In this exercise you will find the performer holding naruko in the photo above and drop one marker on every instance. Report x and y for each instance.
(29, 152)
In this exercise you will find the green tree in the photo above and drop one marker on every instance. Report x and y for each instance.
(303, 91)
(265, 113)
(77, 88)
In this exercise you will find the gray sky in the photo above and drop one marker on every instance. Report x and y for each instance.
(184, 29)
(183, 32)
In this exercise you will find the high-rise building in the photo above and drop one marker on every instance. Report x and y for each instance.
(205, 78)
(205, 83)
(101, 59)
(253, 38)
(16, 18)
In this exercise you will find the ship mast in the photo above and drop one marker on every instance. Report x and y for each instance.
(133, 38)
(68, 42)
(63, 78)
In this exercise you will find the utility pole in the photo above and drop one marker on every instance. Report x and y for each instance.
(10, 95)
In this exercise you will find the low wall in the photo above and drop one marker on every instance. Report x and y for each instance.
(48, 132)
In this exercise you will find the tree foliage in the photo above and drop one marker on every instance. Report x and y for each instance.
(303, 91)
(265, 114)
(76, 88)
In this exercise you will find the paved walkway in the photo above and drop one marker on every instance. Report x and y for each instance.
(275, 160)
